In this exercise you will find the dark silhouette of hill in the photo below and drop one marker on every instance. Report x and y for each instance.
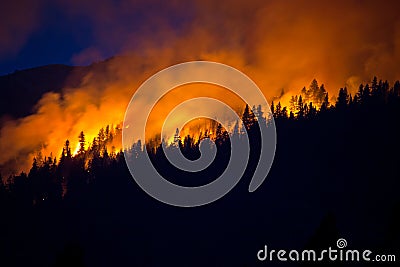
(22, 89)
(26, 87)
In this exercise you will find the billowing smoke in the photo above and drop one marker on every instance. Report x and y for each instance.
(281, 45)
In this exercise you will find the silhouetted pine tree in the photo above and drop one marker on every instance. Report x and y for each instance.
(343, 99)
(248, 118)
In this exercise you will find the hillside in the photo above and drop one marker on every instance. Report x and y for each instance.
(22, 89)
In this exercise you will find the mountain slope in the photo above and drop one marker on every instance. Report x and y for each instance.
(21, 90)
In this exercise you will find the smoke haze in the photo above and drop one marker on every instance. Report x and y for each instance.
(281, 45)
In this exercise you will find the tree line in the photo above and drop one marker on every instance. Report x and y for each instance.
(326, 147)
(50, 180)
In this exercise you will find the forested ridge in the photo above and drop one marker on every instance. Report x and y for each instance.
(335, 173)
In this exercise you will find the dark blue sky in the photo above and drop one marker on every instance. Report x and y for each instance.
(78, 33)
(52, 42)
(47, 46)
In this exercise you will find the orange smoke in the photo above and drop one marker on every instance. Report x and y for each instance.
(281, 46)
(183, 93)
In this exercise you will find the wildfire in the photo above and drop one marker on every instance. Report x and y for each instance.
(280, 62)
(196, 128)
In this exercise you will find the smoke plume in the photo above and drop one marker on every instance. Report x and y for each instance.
(281, 45)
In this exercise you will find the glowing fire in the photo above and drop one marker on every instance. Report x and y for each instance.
(280, 62)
